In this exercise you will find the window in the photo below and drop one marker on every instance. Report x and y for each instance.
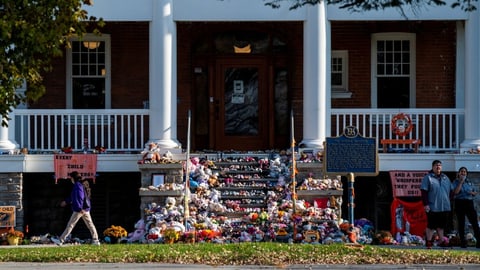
(393, 70)
(339, 75)
(88, 73)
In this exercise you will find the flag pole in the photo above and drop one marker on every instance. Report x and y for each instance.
(187, 174)
(294, 165)
(294, 184)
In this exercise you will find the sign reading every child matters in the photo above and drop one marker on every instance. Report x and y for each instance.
(85, 164)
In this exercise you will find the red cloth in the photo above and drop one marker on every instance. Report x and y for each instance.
(412, 212)
(320, 202)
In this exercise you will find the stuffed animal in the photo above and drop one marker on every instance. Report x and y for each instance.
(383, 238)
(151, 154)
(350, 231)
(139, 234)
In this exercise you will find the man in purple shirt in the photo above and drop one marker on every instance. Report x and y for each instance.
(80, 202)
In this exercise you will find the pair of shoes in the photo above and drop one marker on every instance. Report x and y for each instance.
(429, 244)
(96, 243)
(57, 241)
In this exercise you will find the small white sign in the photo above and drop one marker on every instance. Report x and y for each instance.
(238, 87)
(238, 98)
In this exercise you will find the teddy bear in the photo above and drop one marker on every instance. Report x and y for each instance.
(151, 154)
(383, 238)
(155, 232)
(171, 211)
(139, 234)
(350, 231)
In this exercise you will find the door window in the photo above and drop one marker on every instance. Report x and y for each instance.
(241, 101)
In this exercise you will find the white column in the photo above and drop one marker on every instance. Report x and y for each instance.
(316, 77)
(472, 76)
(7, 134)
(6, 144)
(163, 77)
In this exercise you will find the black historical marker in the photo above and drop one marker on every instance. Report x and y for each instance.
(351, 153)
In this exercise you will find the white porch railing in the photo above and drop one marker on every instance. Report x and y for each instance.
(439, 129)
(117, 130)
(127, 130)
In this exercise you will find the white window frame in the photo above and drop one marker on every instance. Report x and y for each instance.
(342, 90)
(108, 93)
(393, 36)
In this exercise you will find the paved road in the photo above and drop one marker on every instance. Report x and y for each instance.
(147, 266)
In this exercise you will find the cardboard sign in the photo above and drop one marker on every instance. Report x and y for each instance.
(406, 183)
(85, 164)
(7, 216)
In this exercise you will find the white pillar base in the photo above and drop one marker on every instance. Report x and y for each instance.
(313, 143)
(469, 144)
(7, 145)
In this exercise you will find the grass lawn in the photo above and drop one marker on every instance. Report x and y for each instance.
(265, 253)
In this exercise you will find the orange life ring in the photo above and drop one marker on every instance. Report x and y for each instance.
(402, 124)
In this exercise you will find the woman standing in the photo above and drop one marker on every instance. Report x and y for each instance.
(465, 192)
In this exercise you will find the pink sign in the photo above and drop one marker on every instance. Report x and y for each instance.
(85, 164)
(406, 183)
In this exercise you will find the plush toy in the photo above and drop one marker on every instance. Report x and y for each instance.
(350, 231)
(154, 235)
(213, 181)
(139, 234)
(383, 238)
(152, 154)
(171, 211)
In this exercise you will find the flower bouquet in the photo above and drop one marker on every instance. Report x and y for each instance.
(14, 236)
(100, 149)
(170, 235)
(189, 237)
(114, 233)
(67, 149)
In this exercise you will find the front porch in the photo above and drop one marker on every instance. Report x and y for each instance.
(439, 130)
(123, 133)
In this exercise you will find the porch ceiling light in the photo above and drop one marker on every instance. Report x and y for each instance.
(246, 49)
(91, 45)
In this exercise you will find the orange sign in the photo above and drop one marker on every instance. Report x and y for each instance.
(85, 164)
(406, 183)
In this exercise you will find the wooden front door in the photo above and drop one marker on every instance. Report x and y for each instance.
(241, 104)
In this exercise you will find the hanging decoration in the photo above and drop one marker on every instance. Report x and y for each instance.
(402, 124)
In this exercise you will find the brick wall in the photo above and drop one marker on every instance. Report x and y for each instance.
(129, 64)
(435, 51)
(435, 60)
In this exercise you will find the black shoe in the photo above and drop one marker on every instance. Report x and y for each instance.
(463, 244)
(429, 244)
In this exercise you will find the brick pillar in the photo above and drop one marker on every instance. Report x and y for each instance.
(11, 189)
